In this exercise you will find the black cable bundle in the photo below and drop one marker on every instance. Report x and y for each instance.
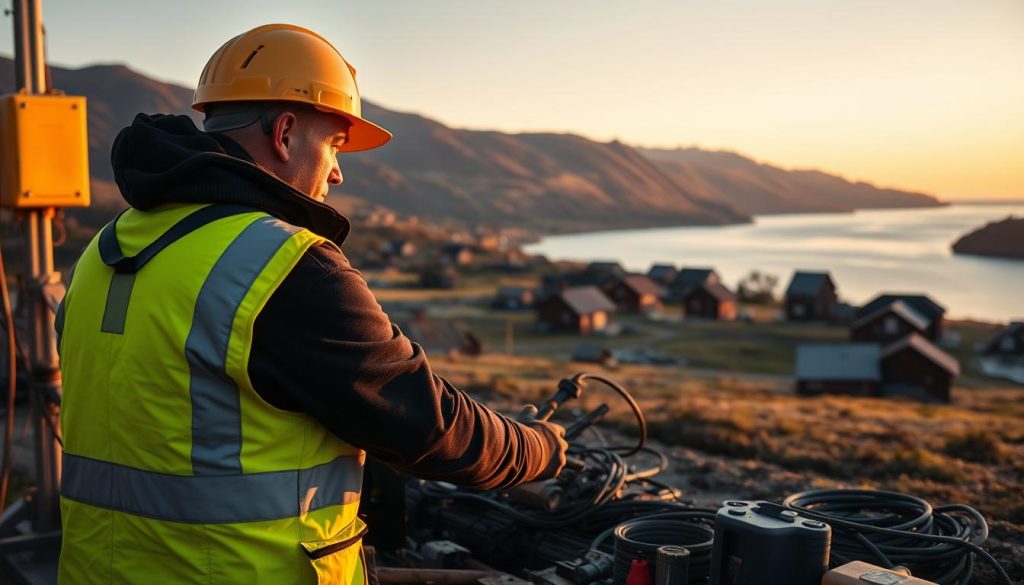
(641, 537)
(608, 495)
(889, 529)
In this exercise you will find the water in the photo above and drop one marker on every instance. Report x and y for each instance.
(867, 252)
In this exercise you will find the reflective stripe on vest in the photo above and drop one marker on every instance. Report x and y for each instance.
(219, 499)
(216, 420)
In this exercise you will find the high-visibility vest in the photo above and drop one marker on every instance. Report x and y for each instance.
(174, 469)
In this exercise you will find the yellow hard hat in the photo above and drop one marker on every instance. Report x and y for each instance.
(282, 62)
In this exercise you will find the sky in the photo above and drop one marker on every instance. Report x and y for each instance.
(924, 95)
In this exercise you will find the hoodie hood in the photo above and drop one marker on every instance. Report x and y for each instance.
(164, 159)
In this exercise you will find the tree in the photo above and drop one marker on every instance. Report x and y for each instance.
(758, 287)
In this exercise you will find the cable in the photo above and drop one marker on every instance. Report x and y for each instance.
(639, 539)
(641, 422)
(60, 229)
(12, 384)
(890, 528)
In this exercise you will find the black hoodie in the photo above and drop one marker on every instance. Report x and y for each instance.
(322, 345)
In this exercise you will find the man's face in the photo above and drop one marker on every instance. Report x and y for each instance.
(313, 153)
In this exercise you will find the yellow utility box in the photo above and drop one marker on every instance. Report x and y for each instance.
(44, 151)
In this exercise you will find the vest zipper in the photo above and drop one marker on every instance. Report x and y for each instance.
(338, 546)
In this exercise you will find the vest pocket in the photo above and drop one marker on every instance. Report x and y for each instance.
(338, 560)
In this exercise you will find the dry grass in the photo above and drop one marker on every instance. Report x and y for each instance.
(757, 439)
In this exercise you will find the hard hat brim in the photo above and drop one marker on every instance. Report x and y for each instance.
(363, 134)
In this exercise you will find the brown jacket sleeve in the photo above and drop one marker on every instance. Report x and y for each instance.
(323, 346)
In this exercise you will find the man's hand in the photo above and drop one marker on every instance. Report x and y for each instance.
(554, 434)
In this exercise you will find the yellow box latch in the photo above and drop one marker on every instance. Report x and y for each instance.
(45, 151)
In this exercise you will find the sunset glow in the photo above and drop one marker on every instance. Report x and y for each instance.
(920, 95)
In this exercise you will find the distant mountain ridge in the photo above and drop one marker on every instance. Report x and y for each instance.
(543, 181)
(758, 188)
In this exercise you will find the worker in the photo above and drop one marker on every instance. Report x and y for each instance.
(226, 370)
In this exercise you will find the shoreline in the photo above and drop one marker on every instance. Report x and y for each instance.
(868, 252)
(754, 218)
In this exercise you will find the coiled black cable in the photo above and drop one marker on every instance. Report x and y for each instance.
(889, 528)
(640, 538)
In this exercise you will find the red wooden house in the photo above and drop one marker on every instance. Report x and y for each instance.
(582, 309)
(634, 294)
(710, 300)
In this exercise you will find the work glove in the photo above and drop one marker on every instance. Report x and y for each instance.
(554, 435)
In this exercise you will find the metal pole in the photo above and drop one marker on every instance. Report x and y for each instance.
(45, 390)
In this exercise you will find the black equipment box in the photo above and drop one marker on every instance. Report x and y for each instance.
(761, 543)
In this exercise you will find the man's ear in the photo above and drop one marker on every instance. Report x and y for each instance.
(282, 135)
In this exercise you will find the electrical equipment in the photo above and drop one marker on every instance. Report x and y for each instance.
(44, 154)
(611, 512)
(861, 573)
(760, 543)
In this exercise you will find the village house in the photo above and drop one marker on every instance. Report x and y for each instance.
(663, 274)
(457, 254)
(583, 309)
(553, 283)
(838, 368)
(710, 301)
(911, 367)
(689, 279)
(923, 304)
(889, 323)
(601, 272)
(634, 293)
(489, 241)
(811, 296)
(441, 335)
(595, 274)
(400, 248)
(916, 368)
(1002, 355)
(513, 298)
(1008, 342)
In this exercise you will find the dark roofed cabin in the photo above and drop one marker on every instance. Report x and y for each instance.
(1008, 342)
(1002, 355)
(923, 304)
(663, 273)
(811, 296)
(583, 309)
(689, 279)
(916, 368)
(595, 274)
(606, 267)
(838, 368)
(890, 323)
(710, 301)
(635, 293)
(457, 254)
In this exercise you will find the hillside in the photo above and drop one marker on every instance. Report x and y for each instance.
(1002, 239)
(545, 182)
(758, 189)
(548, 182)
